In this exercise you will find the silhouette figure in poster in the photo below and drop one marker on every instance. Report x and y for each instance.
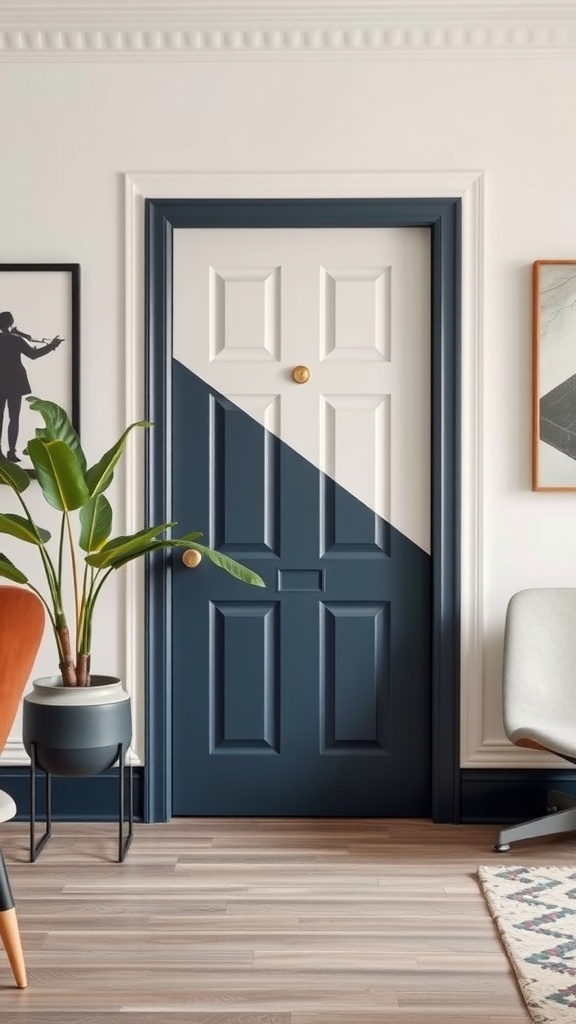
(14, 383)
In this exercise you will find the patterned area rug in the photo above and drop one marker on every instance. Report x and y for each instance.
(535, 911)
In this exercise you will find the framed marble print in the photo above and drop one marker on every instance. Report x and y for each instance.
(554, 375)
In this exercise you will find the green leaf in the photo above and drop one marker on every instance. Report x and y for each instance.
(9, 571)
(121, 550)
(59, 474)
(120, 547)
(122, 555)
(13, 476)
(99, 477)
(95, 523)
(127, 553)
(58, 426)
(18, 526)
(236, 569)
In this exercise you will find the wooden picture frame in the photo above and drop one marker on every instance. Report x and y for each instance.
(39, 303)
(554, 375)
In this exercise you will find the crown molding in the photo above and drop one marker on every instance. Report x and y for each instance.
(272, 29)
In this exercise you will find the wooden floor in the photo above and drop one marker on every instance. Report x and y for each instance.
(213, 921)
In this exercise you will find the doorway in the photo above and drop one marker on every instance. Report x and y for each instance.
(366, 762)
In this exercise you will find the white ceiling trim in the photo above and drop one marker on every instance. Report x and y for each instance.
(272, 29)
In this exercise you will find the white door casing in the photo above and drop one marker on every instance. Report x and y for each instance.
(478, 749)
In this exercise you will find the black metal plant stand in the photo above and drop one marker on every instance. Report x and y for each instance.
(125, 773)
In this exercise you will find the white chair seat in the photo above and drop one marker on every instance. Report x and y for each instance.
(7, 806)
(559, 739)
(538, 694)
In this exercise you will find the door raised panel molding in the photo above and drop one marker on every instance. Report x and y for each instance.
(355, 442)
(234, 523)
(244, 681)
(244, 303)
(356, 722)
(355, 313)
(347, 527)
(476, 746)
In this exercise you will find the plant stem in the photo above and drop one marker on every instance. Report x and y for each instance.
(61, 552)
(83, 670)
(58, 620)
(74, 574)
(95, 589)
(97, 581)
(81, 645)
(67, 668)
(91, 587)
(83, 641)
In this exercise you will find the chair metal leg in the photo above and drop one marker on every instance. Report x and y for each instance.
(123, 768)
(557, 801)
(9, 931)
(549, 825)
(37, 847)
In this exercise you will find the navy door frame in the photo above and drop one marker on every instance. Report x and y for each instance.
(443, 217)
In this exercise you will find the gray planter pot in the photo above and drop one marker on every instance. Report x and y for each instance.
(77, 730)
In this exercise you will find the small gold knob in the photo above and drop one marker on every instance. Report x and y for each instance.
(191, 558)
(300, 374)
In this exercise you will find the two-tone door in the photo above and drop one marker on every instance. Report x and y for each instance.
(301, 446)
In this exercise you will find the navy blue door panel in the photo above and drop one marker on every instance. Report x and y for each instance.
(312, 697)
(244, 506)
(243, 678)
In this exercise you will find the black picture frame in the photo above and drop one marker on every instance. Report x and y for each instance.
(43, 300)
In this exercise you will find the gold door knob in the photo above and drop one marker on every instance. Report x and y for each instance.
(300, 374)
(191, 558)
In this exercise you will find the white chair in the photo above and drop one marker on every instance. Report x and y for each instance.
(539, 694)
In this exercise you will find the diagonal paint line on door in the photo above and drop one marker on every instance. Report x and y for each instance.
(332, 497)
(351, 304)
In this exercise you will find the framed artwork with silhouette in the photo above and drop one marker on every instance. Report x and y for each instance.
(554, 375)
(39, 348)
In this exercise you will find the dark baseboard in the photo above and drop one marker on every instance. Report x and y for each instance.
(507, 795)
(488, 795)
(86, 798)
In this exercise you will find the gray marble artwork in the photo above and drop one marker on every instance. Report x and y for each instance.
(556, 354)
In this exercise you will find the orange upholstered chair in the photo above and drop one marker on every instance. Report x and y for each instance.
(21, 629)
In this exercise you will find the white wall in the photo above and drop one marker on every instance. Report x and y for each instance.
(71, 130)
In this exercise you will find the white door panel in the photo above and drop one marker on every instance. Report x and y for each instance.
(352, 304)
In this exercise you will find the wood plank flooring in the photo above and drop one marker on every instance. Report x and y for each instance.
(262, 921)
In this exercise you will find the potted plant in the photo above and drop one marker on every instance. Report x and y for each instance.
(76, 720)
